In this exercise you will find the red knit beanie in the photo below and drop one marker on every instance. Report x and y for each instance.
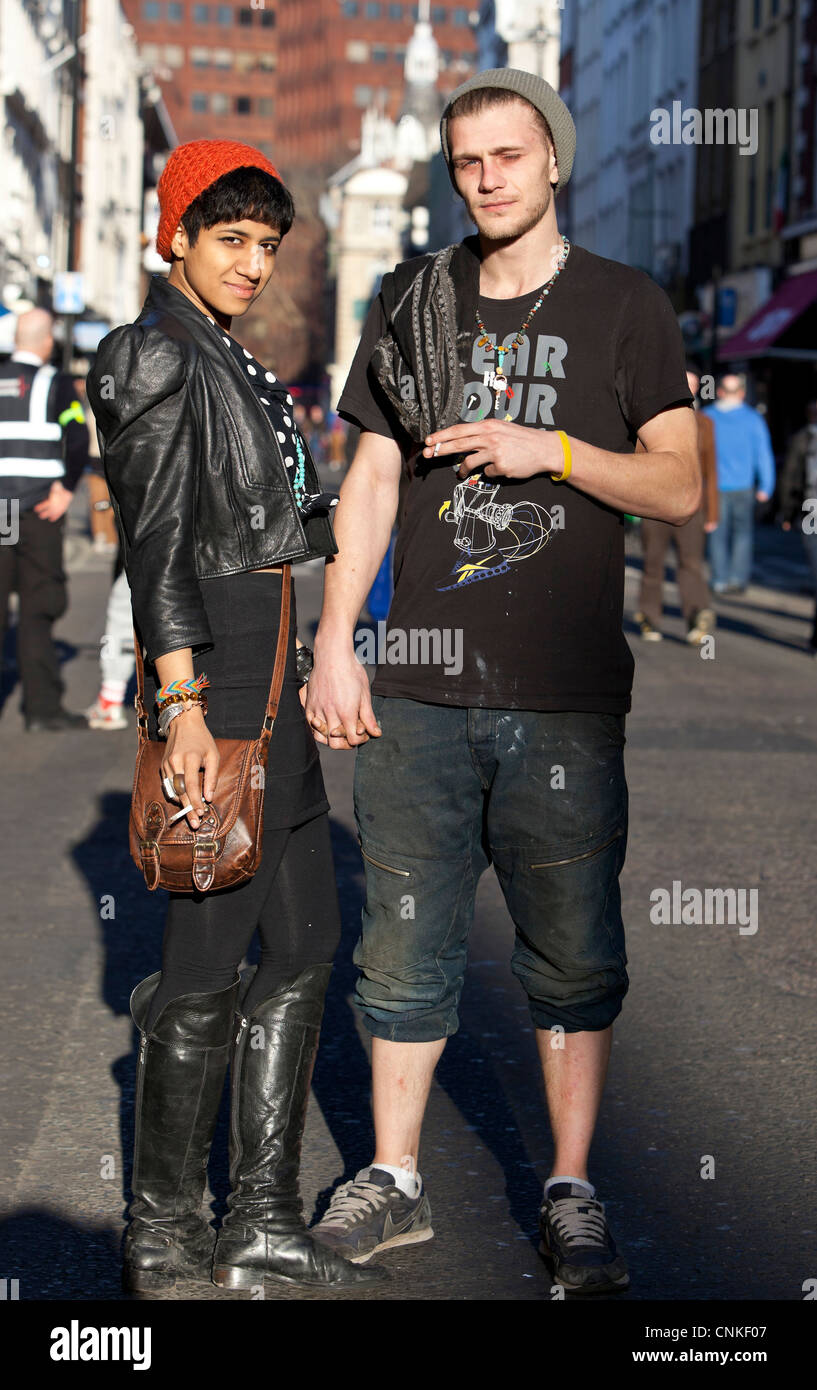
(190, 169)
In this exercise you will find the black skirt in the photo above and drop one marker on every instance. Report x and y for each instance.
(243, 611)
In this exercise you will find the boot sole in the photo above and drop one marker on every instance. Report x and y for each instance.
(234, 1277)
(150, 1281)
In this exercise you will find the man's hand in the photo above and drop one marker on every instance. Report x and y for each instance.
(710, 526)
(499, 448)
(55, 504)
(762, 496)
(338, 700)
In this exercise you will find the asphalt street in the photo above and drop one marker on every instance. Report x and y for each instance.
(704, 1152)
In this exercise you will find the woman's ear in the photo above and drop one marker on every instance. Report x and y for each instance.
(179, 243)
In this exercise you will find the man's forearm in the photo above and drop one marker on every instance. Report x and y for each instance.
(658, 484)
(363, 524)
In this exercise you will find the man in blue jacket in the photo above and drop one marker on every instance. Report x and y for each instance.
(743, 448)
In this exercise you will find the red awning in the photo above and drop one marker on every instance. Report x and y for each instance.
(777, 314)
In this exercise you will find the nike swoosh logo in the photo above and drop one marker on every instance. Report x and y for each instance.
(396, 1228)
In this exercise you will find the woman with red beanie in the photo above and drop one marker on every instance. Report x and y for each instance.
(214, 489)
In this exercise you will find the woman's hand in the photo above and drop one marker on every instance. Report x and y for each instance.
(191, 746)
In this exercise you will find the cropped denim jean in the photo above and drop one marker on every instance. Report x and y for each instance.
(445, 792)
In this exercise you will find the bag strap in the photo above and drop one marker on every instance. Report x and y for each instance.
(278, 669)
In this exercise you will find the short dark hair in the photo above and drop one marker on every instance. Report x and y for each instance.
(475, 102)
(242, 193)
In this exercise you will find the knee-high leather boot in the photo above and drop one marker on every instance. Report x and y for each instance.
(264, 1235)
(179, 1081)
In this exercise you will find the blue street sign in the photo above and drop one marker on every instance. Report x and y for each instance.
(69, 292)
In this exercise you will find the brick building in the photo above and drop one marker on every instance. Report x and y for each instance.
(339, 57)
(215, 64)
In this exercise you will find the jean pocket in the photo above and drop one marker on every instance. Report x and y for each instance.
(387, 868)
(577, 858)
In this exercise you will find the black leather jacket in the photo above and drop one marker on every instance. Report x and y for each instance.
(194, 468)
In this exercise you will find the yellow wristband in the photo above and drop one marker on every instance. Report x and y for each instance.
(568, 459)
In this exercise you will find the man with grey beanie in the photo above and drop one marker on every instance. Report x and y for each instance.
(533, 392)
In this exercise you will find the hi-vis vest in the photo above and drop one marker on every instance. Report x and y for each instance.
(30, 443)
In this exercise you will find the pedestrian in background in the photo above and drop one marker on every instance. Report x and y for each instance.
(798, 496)
(746, 474)
(43, 454)
(689, 541)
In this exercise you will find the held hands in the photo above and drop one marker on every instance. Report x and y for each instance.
(191, 746)
(337, 700)
(499, 448)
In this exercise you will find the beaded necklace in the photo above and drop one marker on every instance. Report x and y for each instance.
(497, 379)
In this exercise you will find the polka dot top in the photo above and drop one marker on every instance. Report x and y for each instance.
(278, 404)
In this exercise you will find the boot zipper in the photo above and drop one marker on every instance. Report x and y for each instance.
(235, 1146)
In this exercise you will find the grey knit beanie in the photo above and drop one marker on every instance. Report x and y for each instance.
(540, 94)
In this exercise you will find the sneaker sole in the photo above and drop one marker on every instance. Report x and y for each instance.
(409, 1238)
(589, 1287)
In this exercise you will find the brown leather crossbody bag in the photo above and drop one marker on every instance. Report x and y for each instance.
(225, 848)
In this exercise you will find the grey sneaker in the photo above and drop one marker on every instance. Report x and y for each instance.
(370, 1214)
(576, 1239)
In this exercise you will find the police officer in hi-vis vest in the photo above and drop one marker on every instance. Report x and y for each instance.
(43, 452)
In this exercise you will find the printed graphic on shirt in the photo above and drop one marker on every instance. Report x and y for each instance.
(493, 533)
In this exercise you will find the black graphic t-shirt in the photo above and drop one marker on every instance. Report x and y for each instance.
(523, 580)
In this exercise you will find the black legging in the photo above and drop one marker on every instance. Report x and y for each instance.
(291, 899)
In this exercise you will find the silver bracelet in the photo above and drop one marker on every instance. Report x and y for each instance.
(170, 713)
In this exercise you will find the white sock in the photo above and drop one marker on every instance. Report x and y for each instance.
(407, 1179)
(581, 1181)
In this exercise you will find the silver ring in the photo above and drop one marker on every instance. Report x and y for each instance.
(436, 448)
(169, 789)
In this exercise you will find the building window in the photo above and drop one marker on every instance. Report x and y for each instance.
(350, 8)
(400, 55)
(461, 18)
(381, 218)
(198, 101)
(243, 106)
(175, 12)
(357, 52)
(267, 19)
(757, 17)
(151, 10)
(769, 162)
(373, 8)
(224, 14)
(267, 61)
(174, 55)
(219, 103)
(245, 17)
(150, 53)
(266, 106)
(380, 55)
(200, 57)
(395, 11)
(363, 96)
(222, 57)
(439, 15)
(201, 14)
(244, 61)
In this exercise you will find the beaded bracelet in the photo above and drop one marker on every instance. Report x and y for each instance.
(192, 683)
